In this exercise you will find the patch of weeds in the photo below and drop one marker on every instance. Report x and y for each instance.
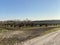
(9, 41)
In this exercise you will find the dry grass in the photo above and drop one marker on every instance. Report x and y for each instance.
(25, 35)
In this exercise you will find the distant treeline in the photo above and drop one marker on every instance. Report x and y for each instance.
(18, 24)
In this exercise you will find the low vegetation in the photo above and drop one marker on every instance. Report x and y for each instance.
(12, 32)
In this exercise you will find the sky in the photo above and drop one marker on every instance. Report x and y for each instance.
(29, 9)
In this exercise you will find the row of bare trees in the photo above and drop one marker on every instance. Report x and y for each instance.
(18, 24)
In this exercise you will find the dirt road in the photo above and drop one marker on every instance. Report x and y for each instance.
(49, 39)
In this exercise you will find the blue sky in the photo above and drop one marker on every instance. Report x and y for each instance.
(31, 9)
